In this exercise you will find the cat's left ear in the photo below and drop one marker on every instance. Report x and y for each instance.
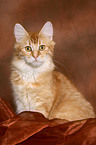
(19, 32)
(47, 30)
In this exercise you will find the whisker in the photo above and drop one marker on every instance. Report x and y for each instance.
(58, 69)
(61, 64)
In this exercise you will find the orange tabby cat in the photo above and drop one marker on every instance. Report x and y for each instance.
(36, 85)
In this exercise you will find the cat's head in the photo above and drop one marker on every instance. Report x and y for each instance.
(34, 48)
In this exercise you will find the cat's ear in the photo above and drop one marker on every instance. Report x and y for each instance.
(47, 30)
(19, 32)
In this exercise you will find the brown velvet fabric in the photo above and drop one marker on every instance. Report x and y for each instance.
(33, 128)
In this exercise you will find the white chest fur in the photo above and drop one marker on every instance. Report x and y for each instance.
(33, 93)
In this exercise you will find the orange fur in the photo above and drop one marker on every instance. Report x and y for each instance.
(38, 87)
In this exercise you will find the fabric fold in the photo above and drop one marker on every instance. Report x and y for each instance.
(33, 128)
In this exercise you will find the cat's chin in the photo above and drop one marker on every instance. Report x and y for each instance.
(35, 64)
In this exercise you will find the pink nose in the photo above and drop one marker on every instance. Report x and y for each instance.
(35, 56)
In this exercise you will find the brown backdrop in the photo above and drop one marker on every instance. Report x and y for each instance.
(74, 33)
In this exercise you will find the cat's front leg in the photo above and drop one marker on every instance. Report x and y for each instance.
(20, 98)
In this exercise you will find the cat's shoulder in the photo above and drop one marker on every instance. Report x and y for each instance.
(62, 79)
(59, 76)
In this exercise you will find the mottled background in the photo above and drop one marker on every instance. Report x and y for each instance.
(74, 24)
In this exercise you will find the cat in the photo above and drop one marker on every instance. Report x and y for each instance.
(36, 85)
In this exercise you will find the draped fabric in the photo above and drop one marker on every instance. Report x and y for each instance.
(29, 128)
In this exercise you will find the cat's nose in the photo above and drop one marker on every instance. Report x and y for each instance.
(35, 54)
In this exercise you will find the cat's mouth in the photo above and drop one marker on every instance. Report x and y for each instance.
(35, 63)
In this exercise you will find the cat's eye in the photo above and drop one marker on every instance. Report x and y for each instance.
(41, 47)
(28, 48)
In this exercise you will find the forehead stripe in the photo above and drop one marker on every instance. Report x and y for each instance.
(34, 38)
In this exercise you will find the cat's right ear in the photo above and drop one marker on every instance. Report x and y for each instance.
(19, 32)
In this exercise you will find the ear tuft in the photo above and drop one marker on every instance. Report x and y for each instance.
(47, 30)
(19, 32)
